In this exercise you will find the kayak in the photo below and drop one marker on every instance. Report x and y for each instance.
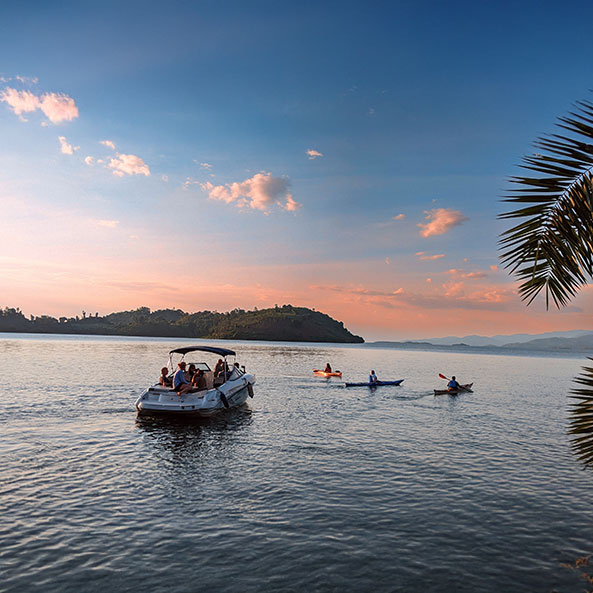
(377, 384)
(320, 373)
(466, 387)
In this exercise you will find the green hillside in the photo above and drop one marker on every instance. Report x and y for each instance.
(286, 323)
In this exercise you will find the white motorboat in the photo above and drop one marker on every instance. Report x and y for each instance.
(228, 390)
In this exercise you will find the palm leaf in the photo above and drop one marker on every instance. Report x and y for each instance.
(550, 249)
(581, 424)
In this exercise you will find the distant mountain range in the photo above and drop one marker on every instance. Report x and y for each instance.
(503, 340)
(568, 341)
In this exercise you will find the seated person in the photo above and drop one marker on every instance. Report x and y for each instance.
(219, 368)
(453, 385)
(180, 383)
(164, 379)
(199, 381)
(328, 368)
(191, 371)
(372, 377)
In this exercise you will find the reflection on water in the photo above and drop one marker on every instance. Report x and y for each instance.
(185, 435)
(309, 487)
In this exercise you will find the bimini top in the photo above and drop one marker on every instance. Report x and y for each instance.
(219, 351)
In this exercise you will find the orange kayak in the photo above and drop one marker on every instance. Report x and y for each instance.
(321, 373)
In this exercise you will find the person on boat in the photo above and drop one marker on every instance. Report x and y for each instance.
(373, 377)
(199, 381)
(191, 371)
(453, 385)
(328, 368)
(219, 368)
(180, 383)
(164, 379)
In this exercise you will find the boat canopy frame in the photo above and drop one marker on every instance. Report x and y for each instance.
(224, 352)
(212, 349)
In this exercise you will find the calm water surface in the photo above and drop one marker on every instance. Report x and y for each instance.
(311, 487)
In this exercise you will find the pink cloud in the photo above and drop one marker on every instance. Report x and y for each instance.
(466, 275)
(313, 154)
(110, 224)
(440, 221)
(65, 147)
(425, 257)
(20, 101)
(89, 160)
(107, 143)
(128, 164)
(399, 217)
(57, 107)
(259, 192)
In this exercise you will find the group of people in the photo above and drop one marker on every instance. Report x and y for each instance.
(184, 381)
(192, 379)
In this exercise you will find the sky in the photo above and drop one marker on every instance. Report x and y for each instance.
(349, 157)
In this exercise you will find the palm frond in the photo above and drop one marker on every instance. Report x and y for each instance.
(551, 248)
(581, 416)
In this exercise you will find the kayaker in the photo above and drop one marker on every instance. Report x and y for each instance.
(372, 377)
(453, 385)
(328, 368)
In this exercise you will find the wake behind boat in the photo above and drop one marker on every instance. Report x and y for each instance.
(374, 383)
(227, 390)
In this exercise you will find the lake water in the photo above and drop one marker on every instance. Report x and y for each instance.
(311, 487)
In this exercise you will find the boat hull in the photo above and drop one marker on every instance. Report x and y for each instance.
(157, 400)
(376, 384)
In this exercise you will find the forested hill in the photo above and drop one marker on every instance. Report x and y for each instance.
(286, 323)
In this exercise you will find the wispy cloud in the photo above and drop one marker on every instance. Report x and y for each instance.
(57, 107)
(259, 192)
(440, 221)
(206, 166)
(466, 275)
(359, 290)
(313, 154)
(399, 217)
(110, 224)
(426, 257)
(447, 296)
(128, 164)
(89, 160)
(108, 143)
(27, 79)
(65, 147)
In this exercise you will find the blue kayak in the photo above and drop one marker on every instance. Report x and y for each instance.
(377, 384)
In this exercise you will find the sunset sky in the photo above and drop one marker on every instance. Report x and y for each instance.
(344, 156)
